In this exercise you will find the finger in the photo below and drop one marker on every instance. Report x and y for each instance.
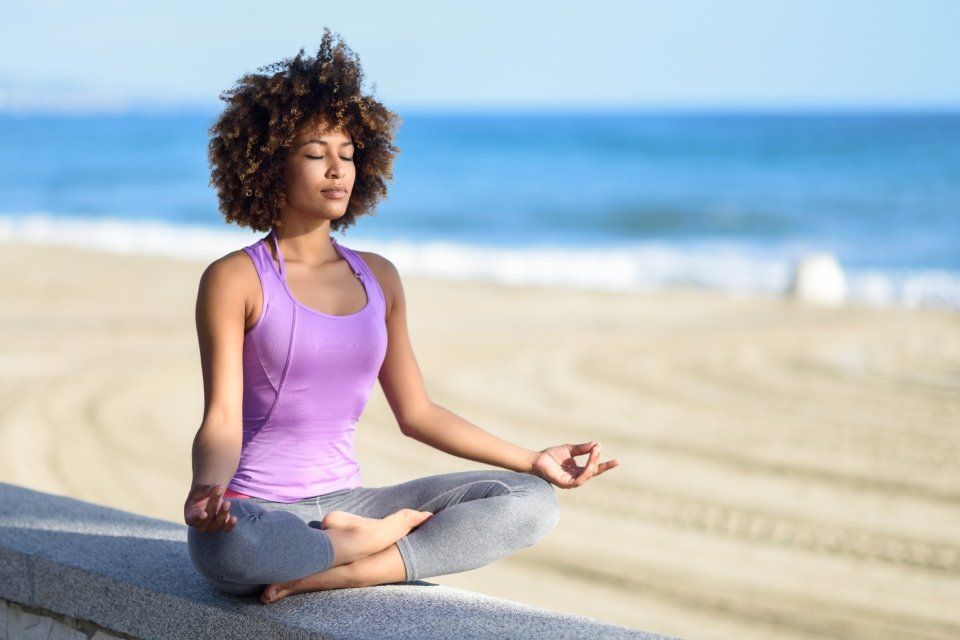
(200, 511)
(606, 466)
(192, 518)
(206, 513)
(204, 519)
(215, 523)
(580, 449)
(591, 467)
(214, 502)
(222, 516)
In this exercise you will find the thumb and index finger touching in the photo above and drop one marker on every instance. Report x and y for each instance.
(593, 465)
(212, 493)
(580, 449)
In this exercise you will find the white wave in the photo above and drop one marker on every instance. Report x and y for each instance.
(728, 267)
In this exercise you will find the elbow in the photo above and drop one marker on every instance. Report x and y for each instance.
(412, 423)
(407, 429)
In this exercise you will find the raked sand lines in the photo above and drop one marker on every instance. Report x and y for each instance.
(862, 424)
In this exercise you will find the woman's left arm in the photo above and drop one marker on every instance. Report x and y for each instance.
(444, 430)
(419, 418)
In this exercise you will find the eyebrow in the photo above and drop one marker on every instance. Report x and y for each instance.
(345, 144)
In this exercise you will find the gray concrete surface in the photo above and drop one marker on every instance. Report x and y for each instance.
(132, 574)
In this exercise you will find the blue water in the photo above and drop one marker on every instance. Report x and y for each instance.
(721, 201)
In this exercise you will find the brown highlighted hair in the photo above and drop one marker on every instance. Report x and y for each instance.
(265, 112)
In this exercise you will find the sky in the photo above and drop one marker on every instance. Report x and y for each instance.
(557, 55)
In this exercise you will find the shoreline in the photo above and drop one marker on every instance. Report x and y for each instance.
(745, 269)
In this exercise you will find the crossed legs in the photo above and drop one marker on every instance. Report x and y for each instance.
(478, 517)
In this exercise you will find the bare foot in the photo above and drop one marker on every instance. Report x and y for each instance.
(354, 537)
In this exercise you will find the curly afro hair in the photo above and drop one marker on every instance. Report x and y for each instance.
(264, 114)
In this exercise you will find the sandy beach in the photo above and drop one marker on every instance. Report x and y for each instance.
(787, 471)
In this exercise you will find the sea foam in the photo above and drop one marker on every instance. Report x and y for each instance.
(725, 266)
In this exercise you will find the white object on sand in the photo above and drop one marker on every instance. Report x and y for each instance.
(819, 279)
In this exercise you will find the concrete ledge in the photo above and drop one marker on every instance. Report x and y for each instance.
(130, 575)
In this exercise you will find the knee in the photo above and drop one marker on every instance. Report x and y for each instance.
(542, 511)
(227, 556)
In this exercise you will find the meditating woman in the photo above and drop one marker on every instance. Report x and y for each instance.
(294, 329)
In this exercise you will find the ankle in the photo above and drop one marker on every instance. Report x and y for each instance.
(383, 567)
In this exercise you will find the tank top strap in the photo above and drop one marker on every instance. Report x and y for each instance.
(270, 286)
(352, 258)
(360, 267)
(276, 248)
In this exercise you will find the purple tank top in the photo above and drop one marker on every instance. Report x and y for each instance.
(307, 377)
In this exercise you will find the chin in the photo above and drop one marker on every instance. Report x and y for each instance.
(333, 214)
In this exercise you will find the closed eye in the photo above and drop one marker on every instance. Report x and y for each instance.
(321, 158)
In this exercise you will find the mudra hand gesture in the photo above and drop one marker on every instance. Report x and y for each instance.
(558, 466)
(206, 509)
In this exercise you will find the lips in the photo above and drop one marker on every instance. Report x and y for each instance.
(334, 194)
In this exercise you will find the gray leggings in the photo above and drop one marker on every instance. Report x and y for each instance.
(479, 516)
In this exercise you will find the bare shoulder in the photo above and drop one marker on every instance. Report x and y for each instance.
(386, 273)
(231, 280)
(230, 270)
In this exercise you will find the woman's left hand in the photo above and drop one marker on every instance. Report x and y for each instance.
(558, 466)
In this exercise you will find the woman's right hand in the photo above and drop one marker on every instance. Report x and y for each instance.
(206, 510)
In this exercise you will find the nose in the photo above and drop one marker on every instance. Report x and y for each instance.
(336, 169)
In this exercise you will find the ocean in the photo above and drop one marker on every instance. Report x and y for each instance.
(624, 201)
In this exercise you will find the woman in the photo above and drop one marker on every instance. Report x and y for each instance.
(294, 330)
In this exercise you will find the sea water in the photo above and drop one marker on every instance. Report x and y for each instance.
(635, 201)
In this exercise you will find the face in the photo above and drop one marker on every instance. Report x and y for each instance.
(319, 161)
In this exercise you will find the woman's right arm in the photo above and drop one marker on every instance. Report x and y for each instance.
(220, 318)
